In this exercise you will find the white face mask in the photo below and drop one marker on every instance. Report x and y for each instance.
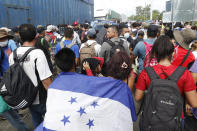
(4, 43)
(126, 35)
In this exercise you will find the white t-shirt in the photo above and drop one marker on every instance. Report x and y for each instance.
(76, 38)
(29, 65)
(97, 47)
(195, 54)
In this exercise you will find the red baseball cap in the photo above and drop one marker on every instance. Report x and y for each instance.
(76, 23)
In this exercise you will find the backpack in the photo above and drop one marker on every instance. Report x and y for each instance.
(2, 57)
(116, 48)
(87, 51)
(147, 61)
(66, 46)
(16, 87)
(163, 103)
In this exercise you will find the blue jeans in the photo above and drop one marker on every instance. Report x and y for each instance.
(37, 112)
(16, 121)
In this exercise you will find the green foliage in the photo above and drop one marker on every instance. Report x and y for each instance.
(143, 14)
(156, 14)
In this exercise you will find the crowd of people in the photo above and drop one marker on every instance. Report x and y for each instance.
(155, 65)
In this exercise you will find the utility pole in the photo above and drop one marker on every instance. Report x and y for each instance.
(151, 12)
(172, 13)
(194, 10)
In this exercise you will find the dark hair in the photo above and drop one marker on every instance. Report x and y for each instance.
(122, 26)
(68, 33)
(169, 33)
(92, 37)
(162, 48)
(115, 28)
(40, 29)
(193, 27)
(135, 25)
(15, 29)
(27, 32)
(106, 26)
(65, 59)
(186, 23)
(140, 33)
(81, 25)
(121, 30)
(178, 24)
(152, 31)
(86, 26)
(194, 46)
(93, 63)
(134, 33)
(119, 66)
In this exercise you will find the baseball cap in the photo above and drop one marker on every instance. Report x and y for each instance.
(76, 23)
(91, 32)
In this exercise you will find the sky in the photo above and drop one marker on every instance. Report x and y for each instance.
(127, 7)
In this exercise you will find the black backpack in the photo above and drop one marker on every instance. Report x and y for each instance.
(115, 48)
(2, 57)
(163, 103)
(16, 87)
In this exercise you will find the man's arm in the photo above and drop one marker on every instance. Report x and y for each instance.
(139, 94)
(47, 82)
(192, 98)
(76, 50)
(103, 49)
(194, 75)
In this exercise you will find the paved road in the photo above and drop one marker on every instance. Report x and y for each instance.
(6, 126)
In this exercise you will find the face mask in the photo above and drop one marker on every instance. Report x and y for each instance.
(126, 35)
(4, 43)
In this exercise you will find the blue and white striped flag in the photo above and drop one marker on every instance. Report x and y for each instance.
(81, 103)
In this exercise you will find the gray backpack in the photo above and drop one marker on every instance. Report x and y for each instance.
(163, 103)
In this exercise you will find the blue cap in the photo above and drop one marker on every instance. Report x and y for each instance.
(91, 32)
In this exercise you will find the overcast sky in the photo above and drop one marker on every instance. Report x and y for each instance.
(127, 7)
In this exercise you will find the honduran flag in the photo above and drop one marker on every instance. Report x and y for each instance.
(82, 103)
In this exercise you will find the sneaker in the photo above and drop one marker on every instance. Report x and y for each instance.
(2, 118)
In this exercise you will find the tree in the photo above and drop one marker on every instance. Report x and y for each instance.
(139, 10)
(156, 14)
(143, 13)
(161, 15)
(132, 17)
(147, 12)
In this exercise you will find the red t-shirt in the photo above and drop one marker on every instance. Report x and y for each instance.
(179, 56)
(185, 83)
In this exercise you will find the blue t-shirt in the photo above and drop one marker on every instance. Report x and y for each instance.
(7, 51)
(140, 51)
(74, 48)
(12, 45)
(5, 62)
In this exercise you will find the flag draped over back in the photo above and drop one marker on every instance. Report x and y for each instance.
(81, 103)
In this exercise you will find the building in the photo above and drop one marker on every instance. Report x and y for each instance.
(180, 11)
(106, 14)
